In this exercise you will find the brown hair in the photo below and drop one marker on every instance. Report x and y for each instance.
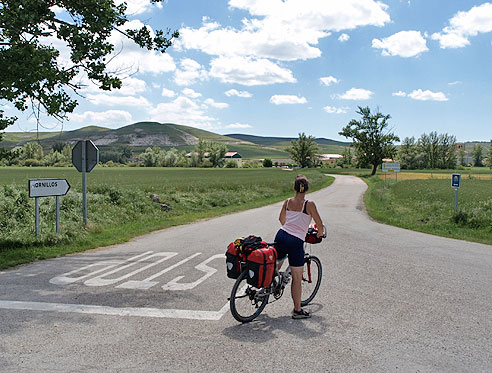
(301, 184)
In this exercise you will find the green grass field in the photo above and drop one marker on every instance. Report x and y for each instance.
(119, 206)
(427, 205)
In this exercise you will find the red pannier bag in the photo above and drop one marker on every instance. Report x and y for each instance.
(233, 261)
(261, 267)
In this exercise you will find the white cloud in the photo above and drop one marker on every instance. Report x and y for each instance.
(238, 125)
(110, 118)
(235, 92)
(182, 111)
(427, 95)
(465, 25)
(217, 105)
(343, 38)
(135, 7)
(249, 72)
(404, 44)
(356, 94)
(189, 73)
(129, 57)
(167, 93)
(287, 100)
(329, 80)
(284, 30)
(335, 110)
(110, 100)
(399, 94)
(455, 82)
(191, 93)
(131, 86)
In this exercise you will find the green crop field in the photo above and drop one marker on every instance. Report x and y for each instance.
(119, 204)
(427, 205)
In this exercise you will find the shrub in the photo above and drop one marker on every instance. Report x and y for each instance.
(231, 164)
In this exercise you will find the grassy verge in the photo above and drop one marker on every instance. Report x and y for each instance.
(427, 205)
(119, 206)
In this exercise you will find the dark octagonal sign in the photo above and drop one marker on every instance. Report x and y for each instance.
(91, 154)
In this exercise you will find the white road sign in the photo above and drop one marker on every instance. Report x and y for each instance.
(391, 167)
(48, 187)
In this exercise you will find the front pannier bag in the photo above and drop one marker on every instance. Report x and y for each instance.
(261, 267)
(233, 261)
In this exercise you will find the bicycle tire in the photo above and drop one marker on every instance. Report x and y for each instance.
(257, 304)
(309, 290)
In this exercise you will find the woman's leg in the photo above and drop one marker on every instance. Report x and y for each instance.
(296, 287)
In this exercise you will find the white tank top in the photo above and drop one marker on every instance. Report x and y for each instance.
(297, 222)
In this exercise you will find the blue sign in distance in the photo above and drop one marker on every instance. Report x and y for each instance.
(456, 180)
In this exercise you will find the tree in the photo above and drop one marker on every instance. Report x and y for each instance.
(346, 160)
(489, 156)
(267, 162)
(32, 150)
(30, 74)
(407, 154)
(477, 155)
(447, 151)
(461, 156)
(217, 152)
(303, 150)
(371, 139)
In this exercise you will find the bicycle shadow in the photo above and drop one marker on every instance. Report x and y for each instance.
(265, 328)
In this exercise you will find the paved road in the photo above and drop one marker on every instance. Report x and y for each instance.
(391, 300)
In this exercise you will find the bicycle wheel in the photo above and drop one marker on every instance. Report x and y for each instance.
(311, 279)
(246, 301)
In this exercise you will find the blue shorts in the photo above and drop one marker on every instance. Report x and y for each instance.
(291, 246)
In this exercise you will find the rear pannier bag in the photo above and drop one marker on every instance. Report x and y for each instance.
(233, 261)
(261, 267)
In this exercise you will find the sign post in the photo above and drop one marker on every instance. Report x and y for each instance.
(456, 183)
(85, 156)
(392, 168)
(47, 188)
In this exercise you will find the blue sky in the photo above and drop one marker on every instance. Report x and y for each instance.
(277, 68)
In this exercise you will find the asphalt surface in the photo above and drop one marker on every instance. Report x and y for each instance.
(390, 300)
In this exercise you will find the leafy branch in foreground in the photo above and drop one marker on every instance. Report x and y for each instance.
(30, 71)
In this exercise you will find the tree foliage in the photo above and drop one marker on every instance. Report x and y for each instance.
(371, 138)
(477, 155)
(303, 150)
(489, 156)
(429, 151)
(30, 72)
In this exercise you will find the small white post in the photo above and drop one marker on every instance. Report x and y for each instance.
(36, 209)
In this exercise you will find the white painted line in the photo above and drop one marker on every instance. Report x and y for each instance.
(101, 281)
(147, 283)
(203, 267)
(113, 311)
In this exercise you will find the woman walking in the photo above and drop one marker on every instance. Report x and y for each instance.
(295, 217)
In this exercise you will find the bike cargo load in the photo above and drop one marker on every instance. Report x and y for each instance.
(261, 267)
(233, 261)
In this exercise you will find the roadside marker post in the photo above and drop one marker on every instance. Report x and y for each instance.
(456, 183)
(47, 188)
(85, 156)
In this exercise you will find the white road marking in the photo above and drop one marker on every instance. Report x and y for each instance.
(203, 267)
(65, 278)
(113, 311)
(101, 281)
(148, 283)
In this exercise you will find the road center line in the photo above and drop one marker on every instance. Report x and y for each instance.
(113, 311)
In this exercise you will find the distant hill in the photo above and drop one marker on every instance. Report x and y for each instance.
(140, 134)
(325, 145)
(282, 141)
(166, 135)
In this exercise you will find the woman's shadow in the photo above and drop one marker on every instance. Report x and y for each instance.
(264, 327)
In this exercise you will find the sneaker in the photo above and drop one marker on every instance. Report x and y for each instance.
(302, 314)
